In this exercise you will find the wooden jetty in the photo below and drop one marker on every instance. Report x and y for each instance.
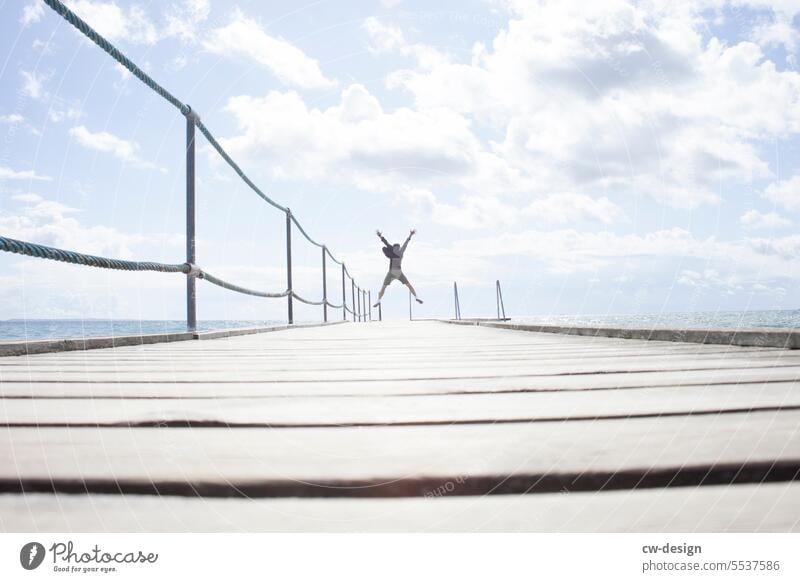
(402, 426)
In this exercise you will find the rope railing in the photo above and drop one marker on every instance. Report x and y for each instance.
(305, 234)
(96, 38)
(332, 257)
(231, 287)
(19, 247)
(221, 151)
(190, 267)
(307, 301)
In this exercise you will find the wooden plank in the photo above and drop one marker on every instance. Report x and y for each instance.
(303, 371)
(394, 361)
(484, 410)
(742, 508)
(386, 337)
(406, 460)
(367, 410)
(235, 387)
(335, 349)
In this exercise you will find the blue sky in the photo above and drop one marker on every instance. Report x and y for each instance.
(614, 158)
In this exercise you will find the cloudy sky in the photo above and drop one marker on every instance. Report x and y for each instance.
(614, 157)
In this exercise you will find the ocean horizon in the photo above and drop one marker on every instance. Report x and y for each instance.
(18, 329)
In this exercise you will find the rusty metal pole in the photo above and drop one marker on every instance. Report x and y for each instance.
(353, 297)
(191, 258)
(497, 297)
(289, 264)
(324, 287)
(344, 297)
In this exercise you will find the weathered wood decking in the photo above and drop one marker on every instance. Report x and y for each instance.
(402, 426)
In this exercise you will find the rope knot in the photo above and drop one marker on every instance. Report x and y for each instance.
(193, 270)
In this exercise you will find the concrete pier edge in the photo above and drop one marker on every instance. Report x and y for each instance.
(47, 346)
(758, 337)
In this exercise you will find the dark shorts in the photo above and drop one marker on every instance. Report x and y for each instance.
(394, 274)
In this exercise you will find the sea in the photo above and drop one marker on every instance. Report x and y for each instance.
(786, 318)
(35, 329)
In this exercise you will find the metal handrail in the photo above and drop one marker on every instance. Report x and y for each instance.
(190, 267)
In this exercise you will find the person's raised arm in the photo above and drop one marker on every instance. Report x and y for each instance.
(408, 240)
(380, 236)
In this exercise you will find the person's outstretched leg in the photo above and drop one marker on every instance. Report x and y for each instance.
(414, 293)
(380, 294)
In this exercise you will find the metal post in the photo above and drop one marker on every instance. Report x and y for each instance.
(191, 288)
(369, 304)
(380, 312)
(456, 301)
(324, 287)
(500, 304)
(344, 298)
(289, 264)
(353, 297)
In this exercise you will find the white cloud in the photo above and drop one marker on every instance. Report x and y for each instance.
(384, 38)
(471, 212)
(355, 140)
(115, 23)
(184, 19)
(475, 211)
(753, 219)
(12, 118)
(9, 174)
(245, 37)
(785, 193)
(624, 96)
(787, 247)
(57, 114)
(45, 47)
(32, 12)
(779, 31)
(388, 39)
(103, 141)
(705, 279)
(33, 84)
(568, 207)
(27, 197)
(53, 223)
(569, 251)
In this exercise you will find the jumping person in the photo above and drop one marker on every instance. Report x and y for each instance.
(394, 252)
